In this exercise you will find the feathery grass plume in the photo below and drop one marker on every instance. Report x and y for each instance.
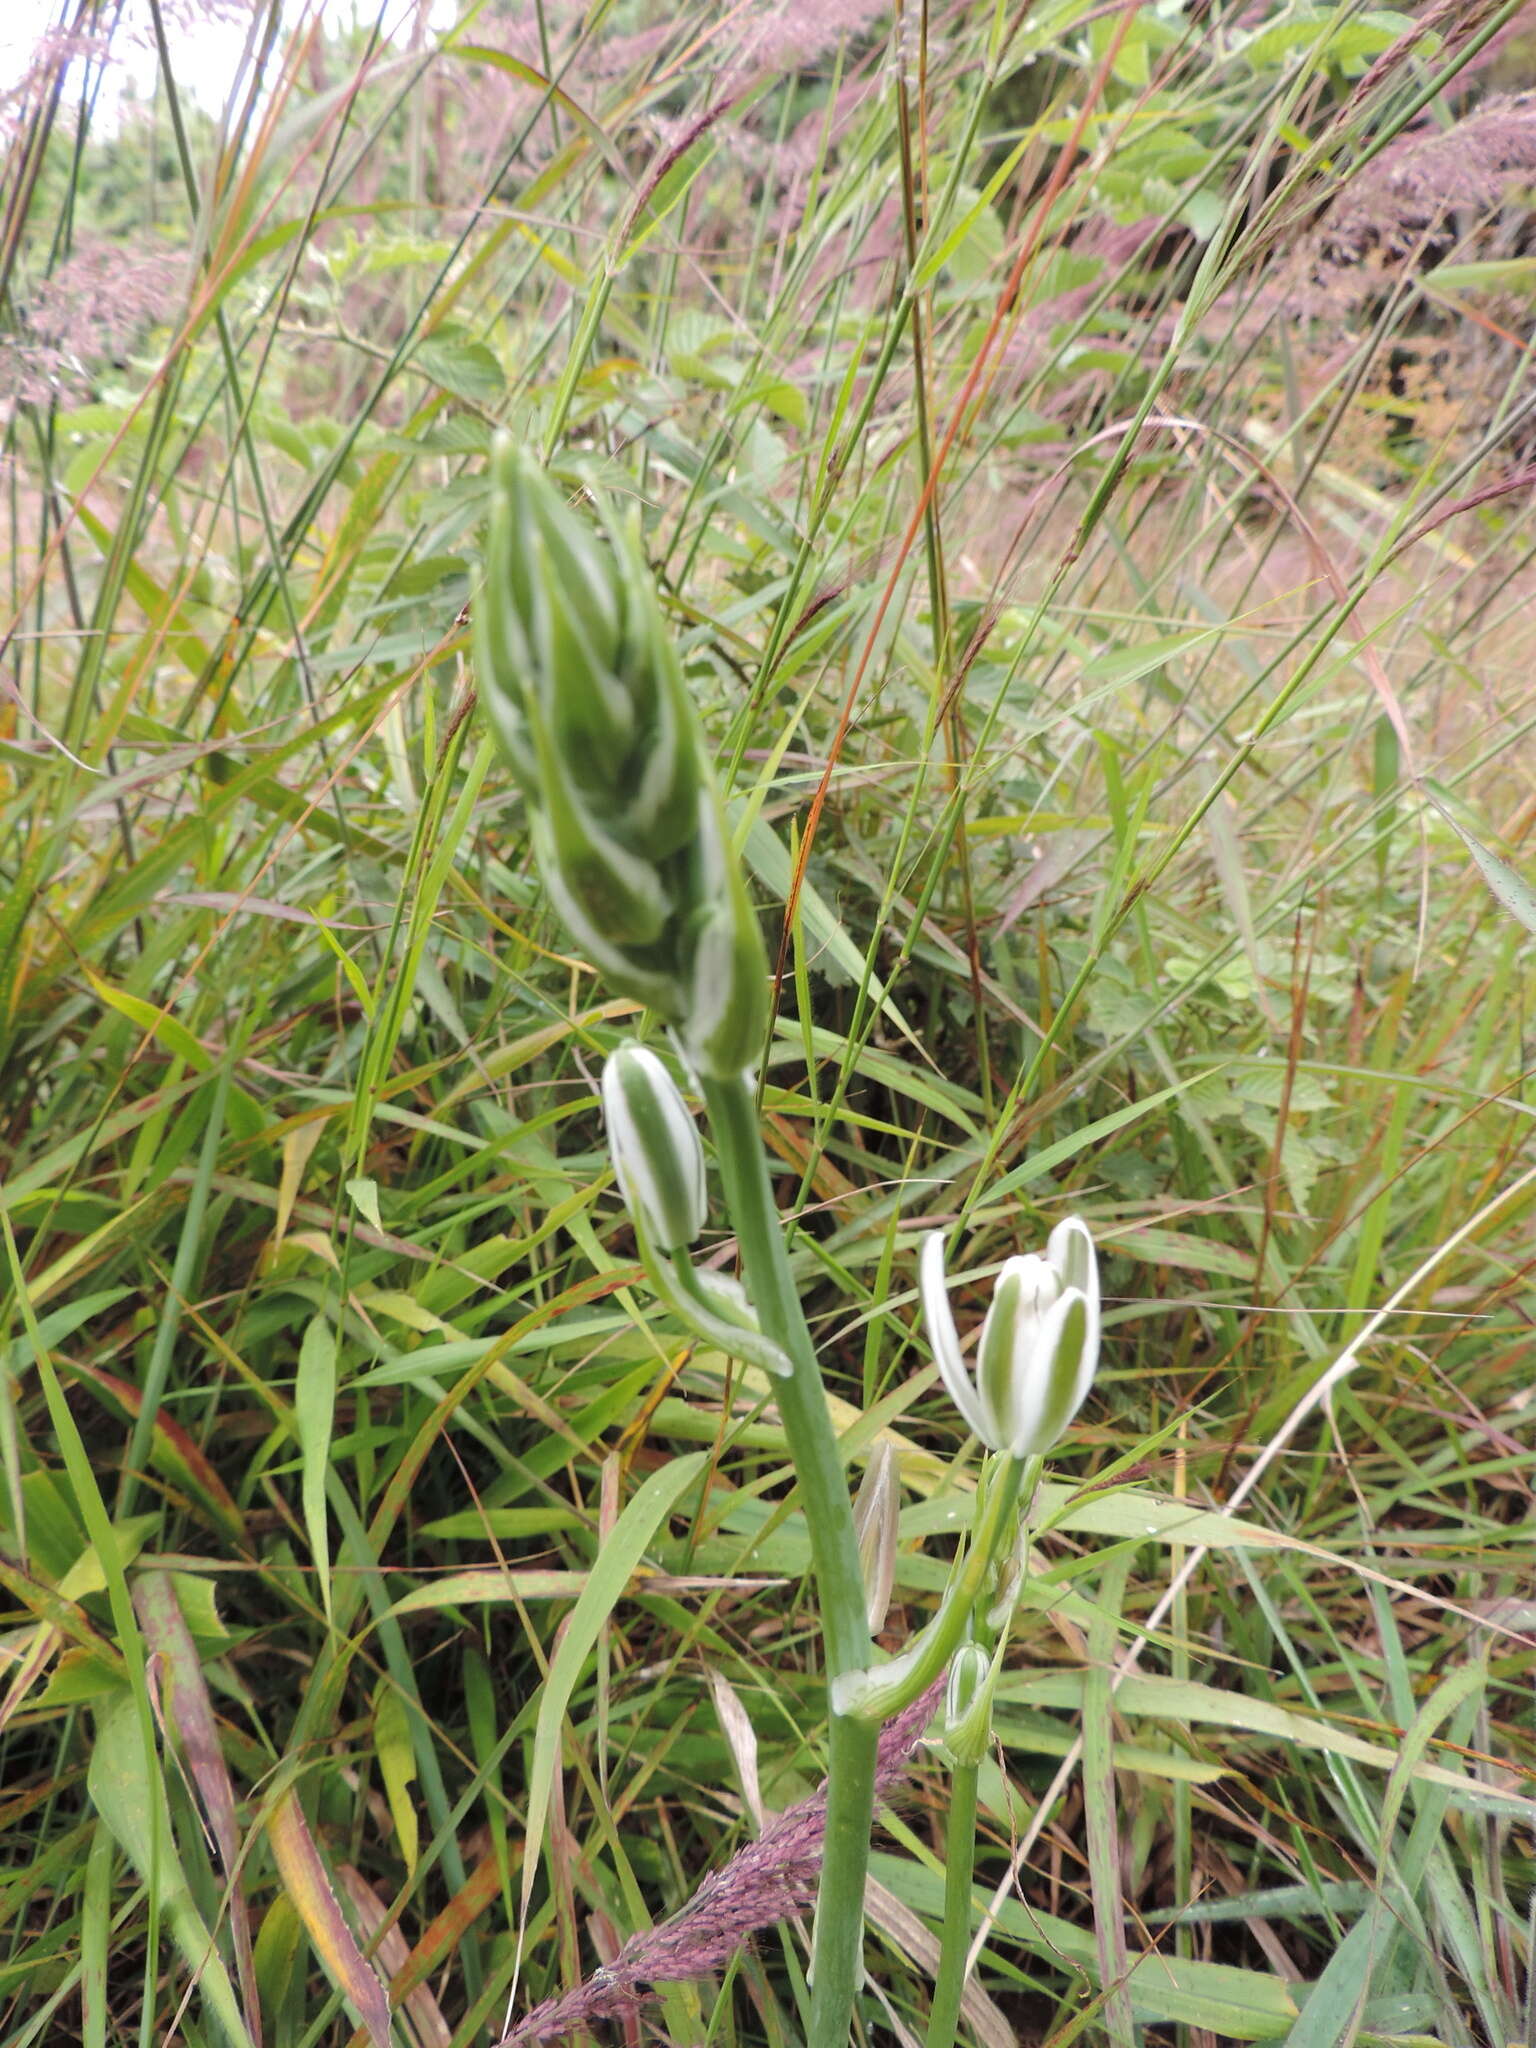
(87, 313)
(584, 692)
(762, 1884)
(1425, 175)
(794, 33)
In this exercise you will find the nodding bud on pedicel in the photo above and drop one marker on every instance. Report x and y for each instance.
(1039, 1345)
(876, 1513)
(968, 1704)
(585, 696)
(655, 1148)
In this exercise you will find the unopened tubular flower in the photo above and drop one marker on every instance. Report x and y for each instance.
(968, 1703)
(654, 1146)
(1039, 1345)
(584, 693)
(659, 1161)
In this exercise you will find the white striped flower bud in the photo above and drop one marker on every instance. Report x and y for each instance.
(655, 1148)
(1039, 1345)
(968, 1704)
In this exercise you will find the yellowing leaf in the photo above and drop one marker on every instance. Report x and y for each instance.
(397, 1765)
(309, 1887)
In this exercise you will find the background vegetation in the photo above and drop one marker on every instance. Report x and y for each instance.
(1086, 456)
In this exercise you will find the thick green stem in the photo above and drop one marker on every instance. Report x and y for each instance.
(838, 1952)
(959, 1865)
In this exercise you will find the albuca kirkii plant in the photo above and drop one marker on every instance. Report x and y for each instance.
(583, 689)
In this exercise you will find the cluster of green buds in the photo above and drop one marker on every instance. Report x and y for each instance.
(659, 1163)
(1036, 1359)
(584, 692)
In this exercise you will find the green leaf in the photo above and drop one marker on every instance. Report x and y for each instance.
(1500, 274)
(469, 369)
(397, 1765)
(1240, 2005)
(1187, 1702)
(1127, 664)
(365, 1195)
(610, 1575)
(1051, 1156)
(1512, 890)
(314, 1409)
(133, 1807)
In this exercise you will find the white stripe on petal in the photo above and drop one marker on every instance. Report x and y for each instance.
(1043, 1405)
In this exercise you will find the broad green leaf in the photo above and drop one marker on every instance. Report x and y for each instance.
(365, 1197)
(397, 1765)
(469, 369)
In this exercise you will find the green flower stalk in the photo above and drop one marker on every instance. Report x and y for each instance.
(967, 1735)
(659, 1163)
(1036, 1359)
(584, 692)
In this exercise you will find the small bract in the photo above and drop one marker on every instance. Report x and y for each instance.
(1039, 1345)
(876, 1518)
(968, 1704)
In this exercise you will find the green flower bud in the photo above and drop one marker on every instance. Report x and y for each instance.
(968, 1704)
(585, 695)
(655, 1147)
(727, 1015)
